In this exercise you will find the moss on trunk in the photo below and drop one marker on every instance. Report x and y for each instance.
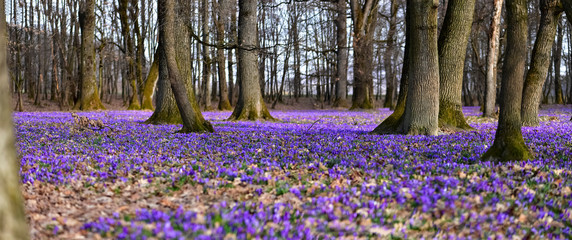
(509, 144)
(451, 117)
(150, 83)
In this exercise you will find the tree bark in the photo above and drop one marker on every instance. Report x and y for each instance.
(453, 40)
(175, 72)
(150, 82)
(422, 105)
(509, 144)
(342, 55)
(207, 71)
(557, 61)
(129, 50)
(492, 58)
(223, 103)
(89, 99)
(364, 21)
(250, 104)
(13, 224)
(540, 63)
(389, 101)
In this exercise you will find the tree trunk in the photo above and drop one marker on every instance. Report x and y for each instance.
(389, 101)
(364, 21)
(150, 82)
(492, 56)
(232, 85)
(89, 99)
(509, 144)
(207, 71)
(342, 55)
(453, 40)
(171, 100)
(129, 50)
(223, 103)
(250, 104)
(557, 61)
(422, 105)
(13, 224)
(536, 75)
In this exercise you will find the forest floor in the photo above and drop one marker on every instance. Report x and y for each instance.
(314, 174)
(118, 104)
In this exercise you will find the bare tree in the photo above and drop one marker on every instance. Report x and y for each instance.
(536, 75)
(89, 93)
(453, 40)
(509, 144)
(192, 118)
(364, 18)
(342, 54)
(250, 104)
(492, 57)
(220, 22)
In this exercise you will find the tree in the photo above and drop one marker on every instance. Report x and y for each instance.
(129, 50)
(250, 105)
(420, 115)
(174, 55)
(390, 79)
(492, 56)
(453, 40)
(509, 144)
(13, 223)
(550, 13)
(89, 99)
(220, 22)
(207, 61)
(342, 54)
(364, 18)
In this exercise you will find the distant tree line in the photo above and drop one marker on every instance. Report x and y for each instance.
(345, 53)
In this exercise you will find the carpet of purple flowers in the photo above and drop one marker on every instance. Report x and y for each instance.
(314, 174)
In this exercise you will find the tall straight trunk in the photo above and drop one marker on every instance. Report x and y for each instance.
(297, 53)
(540, 63)
(453, 40)
(139, 46)
(130, 53)
(54, 91)
(89, 99)
(13, 224)
(232, 85)
(207, 71)
(509, 144)
(364, 21)
(422, 105)
(389, 101)
(176, 74)
(223, 103)
(250, 104)
(557, 54)
(341, 79)
(492, 58)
